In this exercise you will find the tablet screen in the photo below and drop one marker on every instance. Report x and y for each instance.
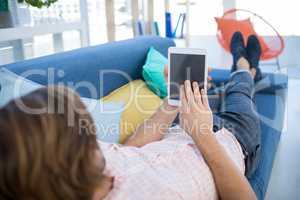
(185, 67)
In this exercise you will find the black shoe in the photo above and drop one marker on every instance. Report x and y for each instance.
(254, 53)
(237, 49)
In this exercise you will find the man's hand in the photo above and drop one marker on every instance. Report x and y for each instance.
(154, 128)
(197, 120)
(195, 114)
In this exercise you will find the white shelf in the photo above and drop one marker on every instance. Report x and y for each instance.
(16, 33)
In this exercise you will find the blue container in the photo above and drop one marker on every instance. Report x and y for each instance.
(169, 32)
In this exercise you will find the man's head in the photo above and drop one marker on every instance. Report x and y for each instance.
(43, 156)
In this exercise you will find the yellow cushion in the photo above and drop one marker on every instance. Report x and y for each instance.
(140, 103)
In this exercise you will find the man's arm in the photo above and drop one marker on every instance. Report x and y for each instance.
(154, 128)
(196, 118)
(230, 181)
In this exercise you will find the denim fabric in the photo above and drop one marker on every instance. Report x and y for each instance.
(269, 85)
(238, 114)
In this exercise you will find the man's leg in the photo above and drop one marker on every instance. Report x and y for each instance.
(238, 114)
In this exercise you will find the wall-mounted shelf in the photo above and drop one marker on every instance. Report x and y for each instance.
(16, 33)
(19, 32)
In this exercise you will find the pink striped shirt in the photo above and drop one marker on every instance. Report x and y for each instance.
(172, 168)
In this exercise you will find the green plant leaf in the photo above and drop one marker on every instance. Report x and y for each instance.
(38, 3)
(3, 5)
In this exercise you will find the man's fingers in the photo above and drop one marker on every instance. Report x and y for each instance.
(183, 100)
(204, 98)
(209, 85)
(166, 70)
(188, 91)
(166, 73)
(182, 94)
(197, 94)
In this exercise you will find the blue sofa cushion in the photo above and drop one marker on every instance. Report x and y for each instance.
(271, 109)
(87, 69)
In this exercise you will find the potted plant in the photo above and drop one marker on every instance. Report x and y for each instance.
(6, 18)
(3, 5)
(38, 3)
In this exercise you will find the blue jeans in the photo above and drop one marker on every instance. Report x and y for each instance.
(235, 110)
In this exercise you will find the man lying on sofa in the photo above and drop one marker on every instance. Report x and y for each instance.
(205, 157)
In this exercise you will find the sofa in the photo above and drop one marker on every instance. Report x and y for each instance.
(109, 66)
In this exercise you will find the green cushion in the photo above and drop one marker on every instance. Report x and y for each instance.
(153, 72)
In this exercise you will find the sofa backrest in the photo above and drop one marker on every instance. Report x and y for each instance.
(93, 71)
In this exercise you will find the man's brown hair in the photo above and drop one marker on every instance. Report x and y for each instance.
(42, 155)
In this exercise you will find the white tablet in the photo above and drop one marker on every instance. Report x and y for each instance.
(185, 64)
